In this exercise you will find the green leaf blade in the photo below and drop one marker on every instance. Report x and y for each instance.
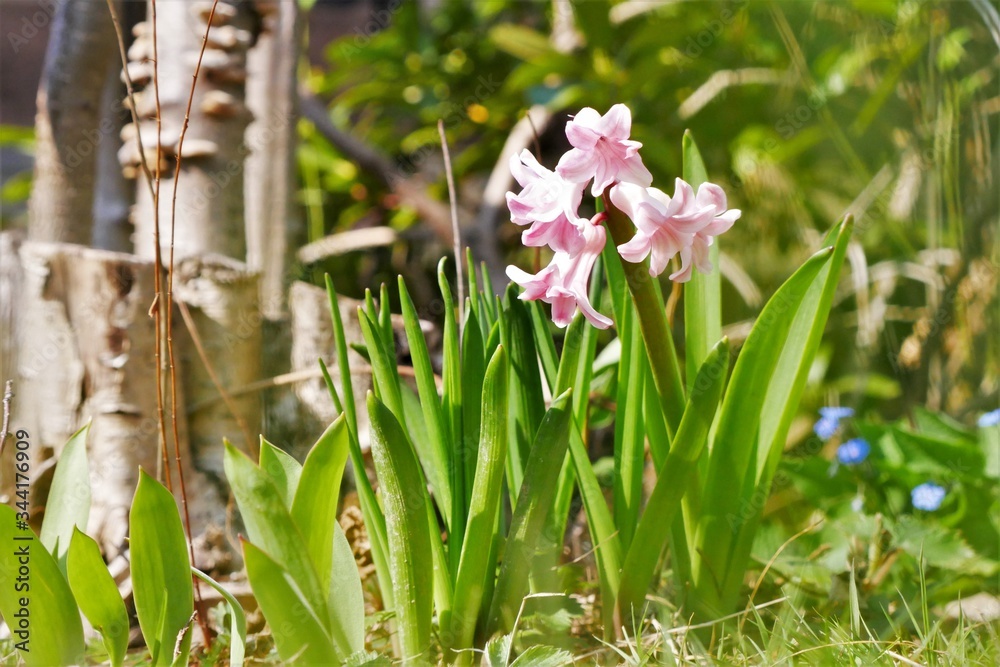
(161, 569)
(52, 631)
(406, 503)
(97, 595)
(68, 504)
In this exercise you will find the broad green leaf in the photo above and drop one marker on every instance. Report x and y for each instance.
(35, 600)
(237, 623)
(314, 512)
(298, 632)
(270, 527)
(370, 509)
(97, 595)
(161, 570)
(527, 536)
(282, 468)
(68, 505)
(436, 453)
(475, 564)
(661, 508)
(702, 295)
(763, 391)
(406, 506)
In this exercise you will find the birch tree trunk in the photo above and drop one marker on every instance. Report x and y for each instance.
(272, 94)
(68, 124)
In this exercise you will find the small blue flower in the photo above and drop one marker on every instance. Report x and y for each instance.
(927, 496)
(989, 419)
(829, 421)
(853, 451)
(836, 414)
(825, 428)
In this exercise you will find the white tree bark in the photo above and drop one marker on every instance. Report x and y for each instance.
(68, 123)
(209, 197)
(272, 93)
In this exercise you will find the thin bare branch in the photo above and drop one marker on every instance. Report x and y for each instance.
(456, 235)
(8, 396)
(153, 182)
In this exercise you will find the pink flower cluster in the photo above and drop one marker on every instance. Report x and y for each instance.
(684, 225)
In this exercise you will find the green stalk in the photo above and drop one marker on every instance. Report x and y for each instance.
(652, 321)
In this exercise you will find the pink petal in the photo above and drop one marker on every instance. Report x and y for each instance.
(575, 166)
(616, 123)
(637, 249)
(710, 194)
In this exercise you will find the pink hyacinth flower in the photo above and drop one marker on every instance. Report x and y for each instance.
(602, 150)
(684, 225)
(706, 211)
(548, 203)
(563, 283)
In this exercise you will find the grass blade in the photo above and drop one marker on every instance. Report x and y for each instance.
(451, 402)
(161, 570)
(97, 595)
(406, 505)
(430, 405)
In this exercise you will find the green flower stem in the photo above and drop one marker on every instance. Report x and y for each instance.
(652, 321)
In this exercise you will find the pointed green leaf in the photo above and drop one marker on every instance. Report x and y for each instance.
(406, 504)
(476, 549)
(314, 512)
(661, 508)
(630, 438)
(270, 526)
(35, 599)
(347, 598)
(370, 509)
(298, 632)
(735, 450)
(527, 536)
(282, 468)
(161, 569)
(702, 294)
(97, 595)
(68, 505)
(437, 457)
